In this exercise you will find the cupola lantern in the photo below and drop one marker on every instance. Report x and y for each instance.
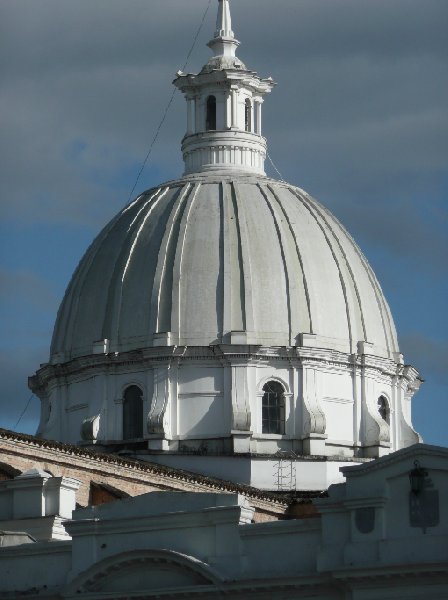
(224, 108)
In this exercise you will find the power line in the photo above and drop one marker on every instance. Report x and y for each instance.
(168, 106)
(196, 36)
(23, 411)
(272, 163)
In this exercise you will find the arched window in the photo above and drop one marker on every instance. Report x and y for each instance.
(210, 123)
(132, 413)
(248, 115)
(383, 408)
(273, 408)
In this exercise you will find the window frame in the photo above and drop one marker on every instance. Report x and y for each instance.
(210, 113)
(128, 412)
(270, 407)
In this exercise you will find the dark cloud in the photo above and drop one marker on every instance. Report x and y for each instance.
(358, 119)
(28, 285)
(374, 28)
(431, 355)
(14, 371)
(362, 90)
(388, 224)
(27, 305)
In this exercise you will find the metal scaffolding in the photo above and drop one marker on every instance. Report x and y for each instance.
(285, 470)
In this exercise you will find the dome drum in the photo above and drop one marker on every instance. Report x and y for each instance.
(210, 401)
(224, 150)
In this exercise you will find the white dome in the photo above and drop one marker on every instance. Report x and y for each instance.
(225, 317)
(209, 259)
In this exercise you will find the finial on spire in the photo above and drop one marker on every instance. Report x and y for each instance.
(224, 20)
(224, 42)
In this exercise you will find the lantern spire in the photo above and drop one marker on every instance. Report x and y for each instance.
(224, 42)
(224, 108)
(224, 20)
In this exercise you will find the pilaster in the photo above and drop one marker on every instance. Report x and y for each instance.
(191, 115)
(314, 422)
(241, 414)
(156, 422)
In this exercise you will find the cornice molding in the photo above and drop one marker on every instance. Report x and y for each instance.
(394, 458)
(225, 354)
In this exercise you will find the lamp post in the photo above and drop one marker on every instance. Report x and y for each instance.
(417, 478)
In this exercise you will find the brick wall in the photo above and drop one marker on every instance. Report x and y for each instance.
(19, 452)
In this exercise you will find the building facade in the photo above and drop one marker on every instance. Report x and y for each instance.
(225, 412)
(383, 534)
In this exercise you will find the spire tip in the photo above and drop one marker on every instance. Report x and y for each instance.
(224, 20)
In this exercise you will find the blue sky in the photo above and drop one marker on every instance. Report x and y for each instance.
(358, 119)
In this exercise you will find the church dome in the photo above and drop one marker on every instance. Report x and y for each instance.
(223, 258)
(225, 319)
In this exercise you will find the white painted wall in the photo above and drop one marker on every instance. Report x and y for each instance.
(204, 402)
(200, 541)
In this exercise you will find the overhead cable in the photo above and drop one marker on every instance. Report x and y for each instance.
(168, 106)
(278, 172)
(23, 411)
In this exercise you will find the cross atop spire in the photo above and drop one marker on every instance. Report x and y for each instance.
(224, 42)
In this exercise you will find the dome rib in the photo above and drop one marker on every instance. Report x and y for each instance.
(305, 329)
(319, 270)
(145, 204)
(176, 324)
(246, 265)
(384, 311)
(382, 304)
(161, 300)
(66, 320)
(234, 303)
(113, 324)
(220, 282)
(153, 202)
(223, 258)
(109, 323)
(337, 263)
(349, 269)
(354, 308)
(227, 233)
(285, 263)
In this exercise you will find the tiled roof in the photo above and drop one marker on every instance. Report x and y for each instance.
(156, 469)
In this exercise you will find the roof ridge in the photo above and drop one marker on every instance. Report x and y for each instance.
(147, 466)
